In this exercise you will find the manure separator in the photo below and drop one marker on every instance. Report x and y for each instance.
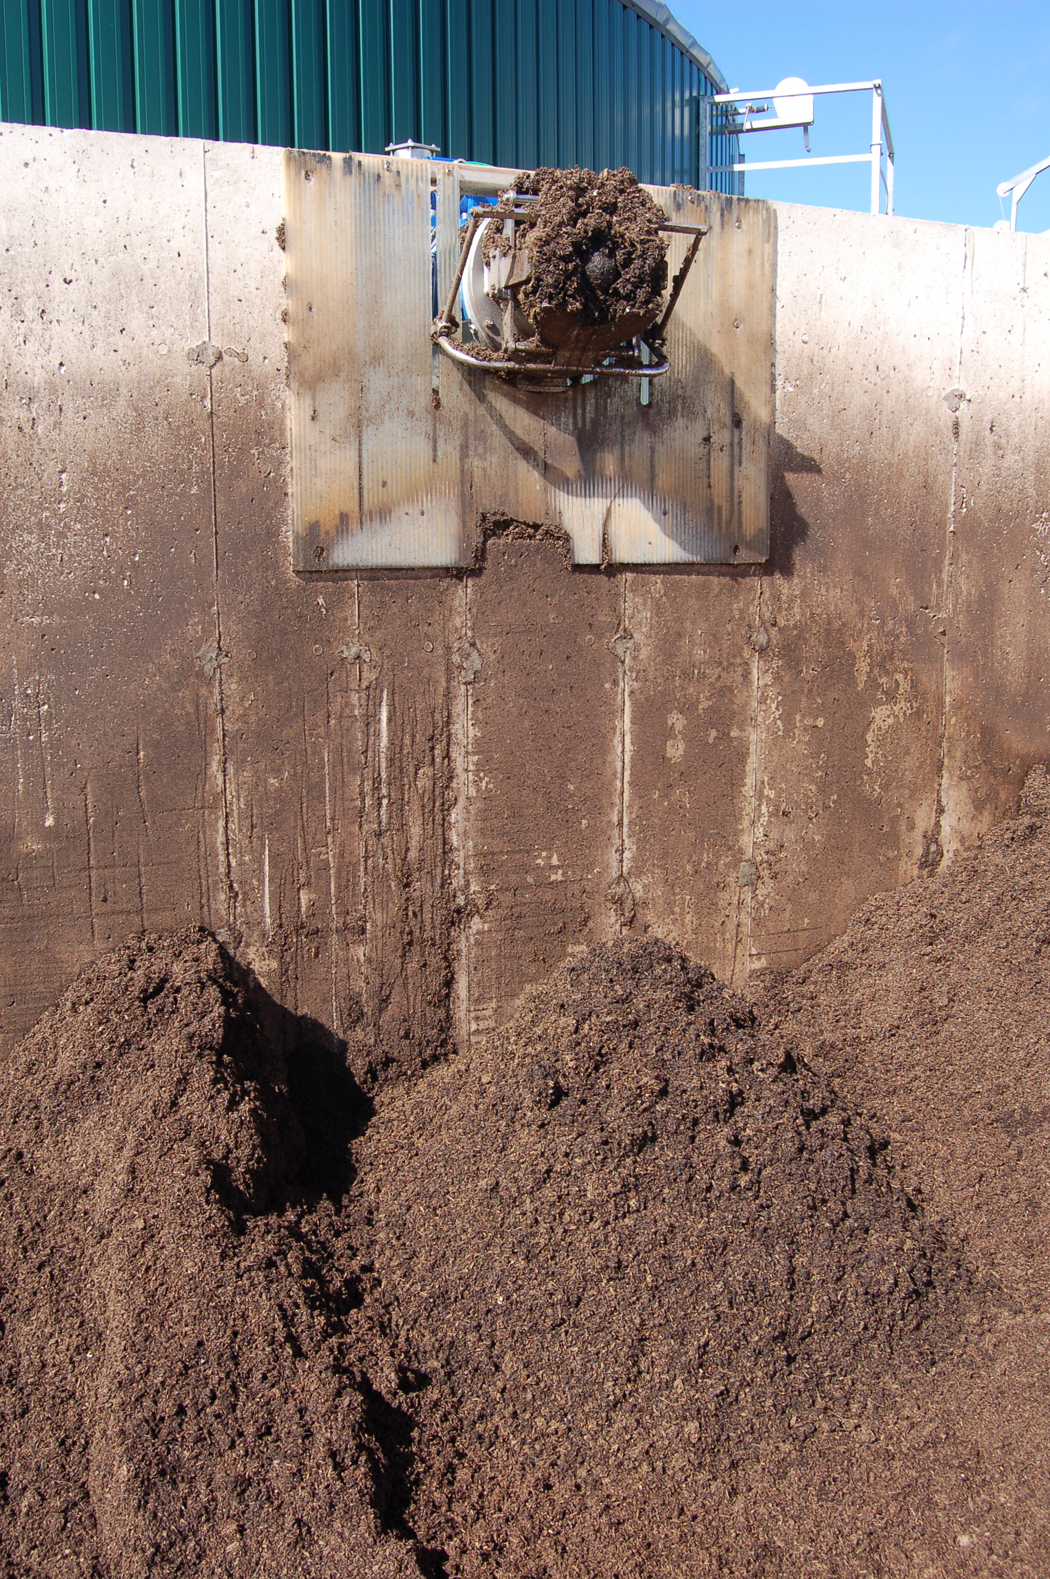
(643, 433)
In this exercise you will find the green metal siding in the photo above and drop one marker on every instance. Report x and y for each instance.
(510, 82)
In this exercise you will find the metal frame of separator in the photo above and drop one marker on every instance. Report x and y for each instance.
(634, 364)
(749, 104)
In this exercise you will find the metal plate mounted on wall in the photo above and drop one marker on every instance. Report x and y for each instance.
(398, 454)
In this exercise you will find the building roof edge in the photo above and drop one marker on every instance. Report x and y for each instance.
(669, 25)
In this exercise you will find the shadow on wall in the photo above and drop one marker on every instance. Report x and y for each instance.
(693, 459)
(787, 528)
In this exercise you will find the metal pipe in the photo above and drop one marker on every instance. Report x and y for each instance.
(676, 286)
(482, 180)
(876, 148)
(447, 318)
(769, 93)
(1018, 185)
(889, 159)
(547, 369)
(886, 124)
(792, 164)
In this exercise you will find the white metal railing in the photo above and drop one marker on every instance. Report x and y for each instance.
(791, 95)
(1018, 185)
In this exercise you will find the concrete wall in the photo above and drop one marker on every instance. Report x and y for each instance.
(393, 793)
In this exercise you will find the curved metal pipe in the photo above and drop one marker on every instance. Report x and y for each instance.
(548, 369)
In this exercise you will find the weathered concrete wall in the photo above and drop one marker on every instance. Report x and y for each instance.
(384, 788)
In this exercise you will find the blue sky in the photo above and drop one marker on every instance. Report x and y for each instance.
(967, 89)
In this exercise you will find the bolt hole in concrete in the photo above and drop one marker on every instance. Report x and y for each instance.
(654, 1280)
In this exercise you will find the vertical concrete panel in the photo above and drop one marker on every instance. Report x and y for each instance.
(690, 766)
(334, 693)
(998, 712)
(109, 775)
(290, 761)
(849, 631)
(406, 629)
(543, 771)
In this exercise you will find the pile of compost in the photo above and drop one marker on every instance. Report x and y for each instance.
(653, 1282)
(933, 1011)
(596, 253)
(631, 1244)
(180, 1391)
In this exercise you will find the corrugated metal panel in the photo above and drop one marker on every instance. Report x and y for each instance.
(368, 486)
(509, 82)
(390, 471)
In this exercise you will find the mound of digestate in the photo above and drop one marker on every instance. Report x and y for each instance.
(595, 250)
(933, 1008)
(179, 1394)
(627, 1291)
(632, 1246)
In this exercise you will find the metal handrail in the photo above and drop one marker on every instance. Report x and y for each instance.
(800, 93)
(880, 130)
(1018, 185)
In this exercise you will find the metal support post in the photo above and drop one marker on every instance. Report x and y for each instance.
(704, 134)
(876, 148)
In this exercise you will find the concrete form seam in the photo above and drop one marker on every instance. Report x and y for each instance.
(16, 733)
(627, 740)
(45, 756)
(745, 904)
(361, 715)
(227, 857)
(330, 847)
(145, 824)
(330, 827)
(618, 893)
(621, 788)
(933, 853)
(459, 822)
(90, 860)
(468, 789)
(363, 711)
(468, 792)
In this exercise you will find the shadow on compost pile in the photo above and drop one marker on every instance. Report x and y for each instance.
(634, 1289)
